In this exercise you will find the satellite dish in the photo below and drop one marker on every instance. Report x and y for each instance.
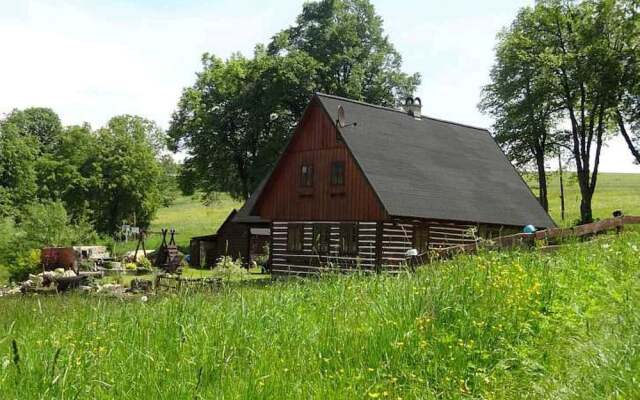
(341, 120)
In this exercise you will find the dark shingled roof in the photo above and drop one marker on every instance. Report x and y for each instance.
(430, 168)
(244, 216)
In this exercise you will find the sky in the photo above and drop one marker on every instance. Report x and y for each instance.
(93, 59)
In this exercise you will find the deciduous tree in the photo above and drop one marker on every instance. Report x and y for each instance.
(234, 121)
(522, 100)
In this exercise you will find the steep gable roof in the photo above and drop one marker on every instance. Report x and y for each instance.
(429, 168)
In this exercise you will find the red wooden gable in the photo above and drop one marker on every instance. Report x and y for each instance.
(315, 143)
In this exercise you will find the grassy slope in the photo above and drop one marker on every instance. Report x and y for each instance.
(613, 191)
(500, 326)
(189, 217)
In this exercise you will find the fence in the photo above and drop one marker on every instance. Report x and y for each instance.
(551, 234)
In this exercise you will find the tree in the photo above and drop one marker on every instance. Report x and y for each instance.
(583, 55)
(521, 98)
(17, 170)
(126, 185)
(236, 118)
(168, 180)
(356, 59)
(580, 59)
(627, 114)
(64, 173)
(43, 124)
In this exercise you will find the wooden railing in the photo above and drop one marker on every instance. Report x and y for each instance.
(551, 234)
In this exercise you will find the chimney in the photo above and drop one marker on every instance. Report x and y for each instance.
(413, 107)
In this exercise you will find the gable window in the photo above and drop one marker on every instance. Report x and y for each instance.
(337, 173)
(306, 175)
(321, 238)
(295, 235)
(349, 239)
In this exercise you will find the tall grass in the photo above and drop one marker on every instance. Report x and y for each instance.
(495, 326)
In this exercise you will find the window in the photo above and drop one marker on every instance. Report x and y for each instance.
(421, 235)
(337, 173)
(349, 239)
(321, 239)
(306, 175)
(294, 238)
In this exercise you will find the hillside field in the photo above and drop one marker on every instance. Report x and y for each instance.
(613, 191)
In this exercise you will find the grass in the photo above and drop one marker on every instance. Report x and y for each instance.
(496, 326)
(189, 217)
(613, 191)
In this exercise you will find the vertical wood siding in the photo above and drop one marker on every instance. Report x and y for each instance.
(314, 143)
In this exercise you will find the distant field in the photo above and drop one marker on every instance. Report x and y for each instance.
(613, 191)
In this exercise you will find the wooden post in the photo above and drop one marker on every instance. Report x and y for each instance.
(270, 260)
(561, 185)
(619, 215)
(379, 234)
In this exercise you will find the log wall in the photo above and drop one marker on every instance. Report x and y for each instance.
(382, 246)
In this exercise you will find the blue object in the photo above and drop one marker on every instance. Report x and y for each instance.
(529, 229)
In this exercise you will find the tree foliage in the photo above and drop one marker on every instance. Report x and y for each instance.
(125, 188)
(41, 123)
(583, 55)
(17, 170)
(521, 98)
(236, 118)
(355, 58)
(100, 178)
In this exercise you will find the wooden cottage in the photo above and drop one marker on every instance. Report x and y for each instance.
(236, 240)
(361, 186)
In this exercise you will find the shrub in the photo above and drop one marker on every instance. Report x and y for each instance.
(229, 268)
(25, 264)
(145, 263)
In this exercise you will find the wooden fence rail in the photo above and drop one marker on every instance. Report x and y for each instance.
(552, 234)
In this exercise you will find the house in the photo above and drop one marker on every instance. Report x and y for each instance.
(359, 186)
(237, 240)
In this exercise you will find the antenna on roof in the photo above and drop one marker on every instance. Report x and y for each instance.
(341, 119)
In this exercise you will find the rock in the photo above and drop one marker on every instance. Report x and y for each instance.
(14, 291)
(85, 289)
(69, 273)
(111, 288)
(59, 271)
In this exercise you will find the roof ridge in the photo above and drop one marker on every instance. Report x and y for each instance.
(362, 103)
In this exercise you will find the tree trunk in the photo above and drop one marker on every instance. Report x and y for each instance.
(627, 138)
(586, 213)
(542, 183)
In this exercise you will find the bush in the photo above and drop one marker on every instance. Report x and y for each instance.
(229, 268)
(145, 263)
(25, 264)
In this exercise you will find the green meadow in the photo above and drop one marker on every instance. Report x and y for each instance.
(508, 325)
(189, 217)
(613, 192)
(511, 325)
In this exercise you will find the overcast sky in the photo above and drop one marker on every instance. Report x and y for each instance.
(90, 60)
